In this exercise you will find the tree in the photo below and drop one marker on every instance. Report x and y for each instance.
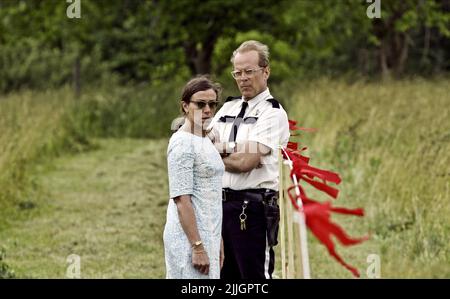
(41, 46)
(196, 25)
(339, 36)
(154, 40)
(393, 31)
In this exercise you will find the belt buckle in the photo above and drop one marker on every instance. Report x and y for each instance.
(224, 195)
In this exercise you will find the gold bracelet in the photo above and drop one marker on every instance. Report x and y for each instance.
(196, 243)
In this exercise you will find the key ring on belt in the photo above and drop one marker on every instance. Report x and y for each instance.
(243, 216)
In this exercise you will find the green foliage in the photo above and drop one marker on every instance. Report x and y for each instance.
(41, 67)
(196, 25)
(156, 41)
(328, 36)
(142, 111)
(413, 35)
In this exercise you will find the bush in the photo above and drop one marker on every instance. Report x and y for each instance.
(133, 111)
(31, 65)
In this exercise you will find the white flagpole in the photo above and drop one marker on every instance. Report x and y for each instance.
(282, 216)
(301, 223)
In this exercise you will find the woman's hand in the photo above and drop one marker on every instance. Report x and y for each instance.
(200, 260)
(212, 134)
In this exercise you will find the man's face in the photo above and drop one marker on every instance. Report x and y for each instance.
(254, 84)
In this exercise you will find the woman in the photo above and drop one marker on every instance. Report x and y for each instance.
(192, 234)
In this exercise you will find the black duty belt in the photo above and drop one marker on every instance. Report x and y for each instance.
(248, 194)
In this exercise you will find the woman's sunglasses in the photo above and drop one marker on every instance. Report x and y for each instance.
(202, 104)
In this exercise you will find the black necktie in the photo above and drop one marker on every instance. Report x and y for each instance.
(237, 122)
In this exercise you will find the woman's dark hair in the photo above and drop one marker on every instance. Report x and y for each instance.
(200, 83)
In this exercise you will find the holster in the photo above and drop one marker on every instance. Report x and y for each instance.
(272, 215)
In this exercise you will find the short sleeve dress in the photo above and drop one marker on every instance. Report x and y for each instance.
(195, 168)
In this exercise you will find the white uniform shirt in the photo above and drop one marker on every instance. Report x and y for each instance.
(262, 123)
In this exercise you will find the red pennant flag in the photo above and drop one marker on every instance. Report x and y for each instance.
(318, 220)
(305, 172)
(293, 127)
(318, 215)
(333, 192)
(292, 146)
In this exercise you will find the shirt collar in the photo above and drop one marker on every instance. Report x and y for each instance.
(257, 99)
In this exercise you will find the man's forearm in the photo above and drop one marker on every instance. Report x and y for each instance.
(231, 164)
(241, 162)
(245, 147)
(247, 156)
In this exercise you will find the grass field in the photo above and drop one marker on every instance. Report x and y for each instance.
(107, 206)
(390, 142)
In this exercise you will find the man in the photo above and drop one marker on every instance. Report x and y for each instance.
(250, 129)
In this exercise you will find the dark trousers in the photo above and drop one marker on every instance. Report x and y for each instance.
(247, 255)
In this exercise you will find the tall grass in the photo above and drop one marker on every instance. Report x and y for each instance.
(31, 128)
(391, 144)
(140, 111)
(42, 125)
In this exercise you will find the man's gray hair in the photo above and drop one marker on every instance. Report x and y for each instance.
(253, 45)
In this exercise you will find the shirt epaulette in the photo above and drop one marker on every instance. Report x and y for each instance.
(275, 103)
(232, 99)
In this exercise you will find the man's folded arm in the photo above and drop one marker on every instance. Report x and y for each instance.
(247, 157)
